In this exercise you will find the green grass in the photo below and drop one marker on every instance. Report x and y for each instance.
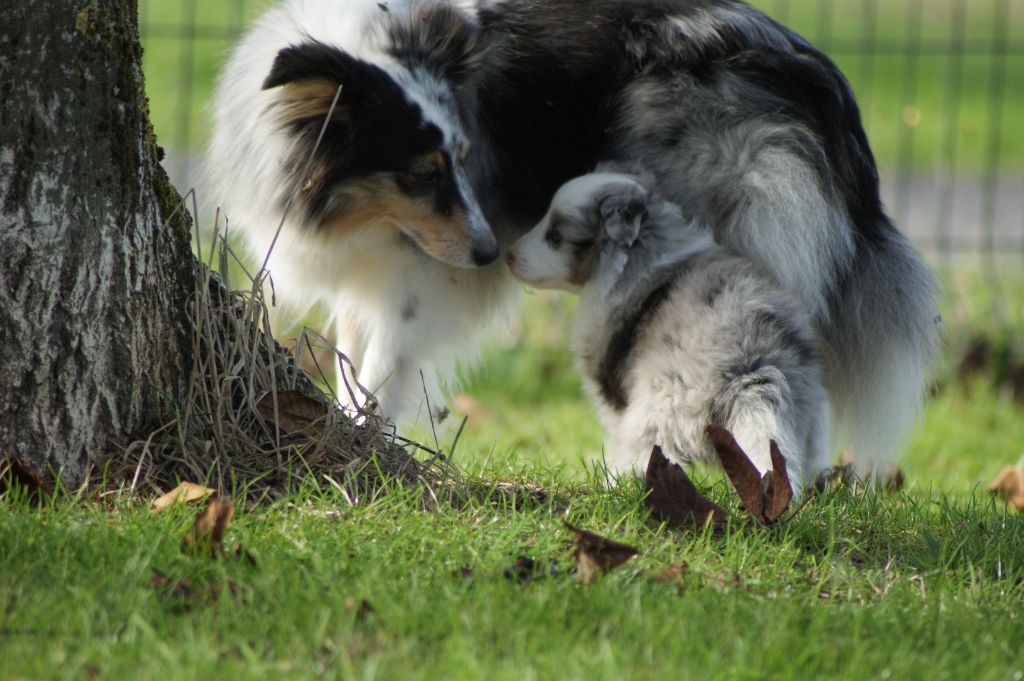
(180, 79)
(924, 584)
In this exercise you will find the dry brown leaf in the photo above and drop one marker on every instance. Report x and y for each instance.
(295, 412)
(178, 587)
(893, 480)
(1009, 485)
(523, 569)
(184, 589)
(738, 468)
(767, 498)
(207, 535)
(778, 490)
(243, 555)
(672, 573)
(672, 498)
(14, 470)
(471, 407)
(597, 555)
(185, 493)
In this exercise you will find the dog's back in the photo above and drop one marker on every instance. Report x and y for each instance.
(758, 135)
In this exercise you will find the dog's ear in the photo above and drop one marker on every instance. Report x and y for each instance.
(622, 208)
(310, 73)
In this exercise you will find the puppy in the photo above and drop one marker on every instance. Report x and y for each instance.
(673, 333)
(376, 218)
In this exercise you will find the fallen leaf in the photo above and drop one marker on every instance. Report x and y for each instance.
(835, 477)
(672, 498)
(472, 408)
(779, 491)
(185, 493)
(1009, 485)
(893, 480)
(207, 534)
(597, 555)
(295, 411)
(181, 588)
(977, 357)
(765, 498)
(522, 569)
(672, 573)
(724, 579)
(361, 608)
(244, 555)
(14, 470)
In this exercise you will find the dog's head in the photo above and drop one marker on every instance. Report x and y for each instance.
(590, 218)
(392, 152)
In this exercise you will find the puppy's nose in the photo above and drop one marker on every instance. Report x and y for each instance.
(485, 255)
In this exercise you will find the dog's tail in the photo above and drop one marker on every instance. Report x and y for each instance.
(883, 336)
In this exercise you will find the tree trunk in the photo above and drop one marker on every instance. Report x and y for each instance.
(95, 268)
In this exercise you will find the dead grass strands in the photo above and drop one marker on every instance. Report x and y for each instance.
(254, 422)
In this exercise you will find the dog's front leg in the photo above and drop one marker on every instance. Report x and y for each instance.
(402, 382)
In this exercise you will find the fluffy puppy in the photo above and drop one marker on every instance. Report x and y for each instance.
(384, 227)
(673, 333)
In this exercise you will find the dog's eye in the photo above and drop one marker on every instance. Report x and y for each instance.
(422, 179)
(420, 182)
(554, 237)
(427, 178)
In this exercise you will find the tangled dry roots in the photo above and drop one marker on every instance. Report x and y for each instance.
(230, 432)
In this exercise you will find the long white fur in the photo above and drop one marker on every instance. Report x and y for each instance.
(366, 278)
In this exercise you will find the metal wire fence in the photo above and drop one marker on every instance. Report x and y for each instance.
(940, 82)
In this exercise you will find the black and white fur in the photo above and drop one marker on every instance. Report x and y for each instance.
(738, 119)
(752, 130)
(673, 333)
(385, 230)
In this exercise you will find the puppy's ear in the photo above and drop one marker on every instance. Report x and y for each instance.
(622, 209)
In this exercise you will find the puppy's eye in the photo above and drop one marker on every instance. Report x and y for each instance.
(554, 238)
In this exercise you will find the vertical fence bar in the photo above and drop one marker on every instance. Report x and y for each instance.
(996, 99)
(909, 113)
(954, 84)
(237, 19)
(144, 8)
(782, 11)
(868, 47)
(825, 25)
(186, 70)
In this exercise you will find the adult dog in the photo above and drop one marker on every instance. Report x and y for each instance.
(744, 124)
(376, 218)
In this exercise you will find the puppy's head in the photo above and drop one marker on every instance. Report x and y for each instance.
(391, 153)
(591, 218)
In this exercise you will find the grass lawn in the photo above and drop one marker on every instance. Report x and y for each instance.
(927, 583)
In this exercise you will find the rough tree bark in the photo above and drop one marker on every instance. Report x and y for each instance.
(95, 272)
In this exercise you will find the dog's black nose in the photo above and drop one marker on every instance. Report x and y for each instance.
(485, 255)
